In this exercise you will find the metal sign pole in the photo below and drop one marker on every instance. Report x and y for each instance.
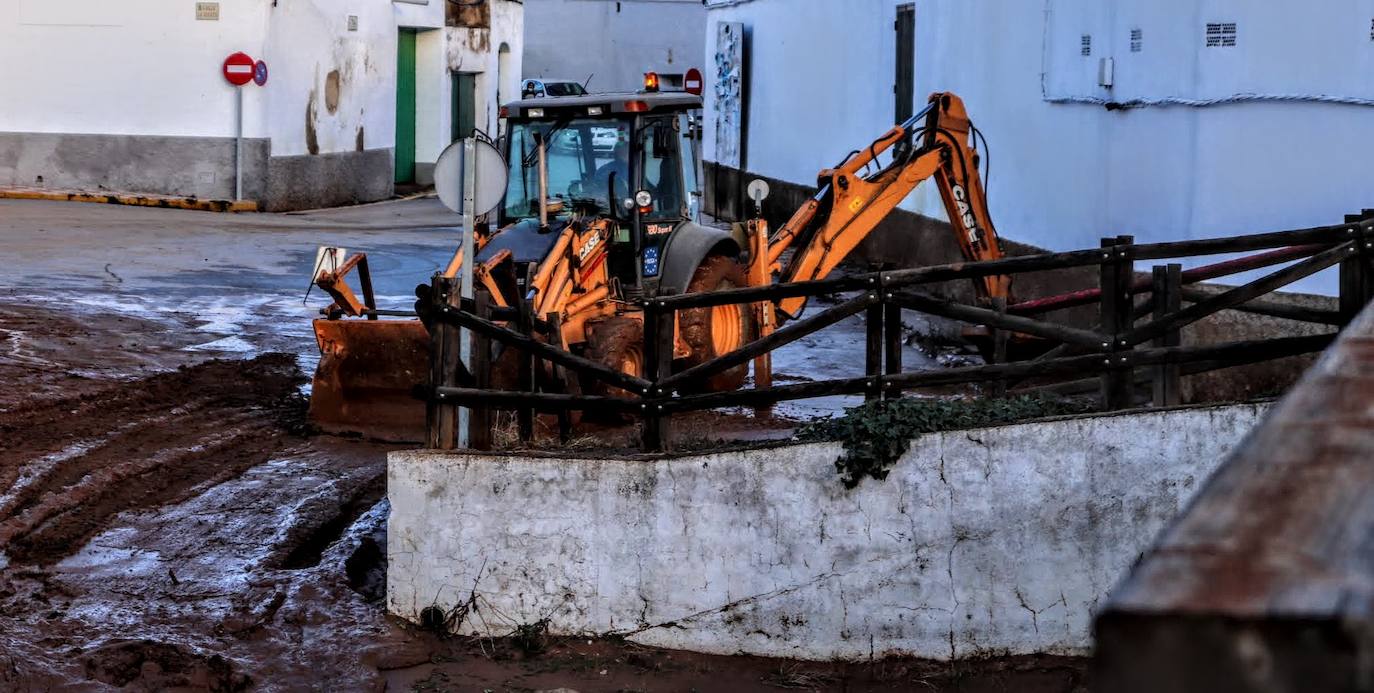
(238, 149)
(469, 164)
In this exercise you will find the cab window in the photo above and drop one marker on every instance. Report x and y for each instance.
(661, 168)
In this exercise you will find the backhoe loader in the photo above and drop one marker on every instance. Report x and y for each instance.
(602, 210)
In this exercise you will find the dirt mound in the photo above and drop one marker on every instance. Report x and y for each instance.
(70, 464)
(155, 666)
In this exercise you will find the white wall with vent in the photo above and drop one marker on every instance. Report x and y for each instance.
(1269, 133)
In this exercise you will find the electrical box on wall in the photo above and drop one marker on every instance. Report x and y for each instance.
(1209, 51)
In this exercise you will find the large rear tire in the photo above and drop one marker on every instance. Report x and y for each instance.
(719, 330)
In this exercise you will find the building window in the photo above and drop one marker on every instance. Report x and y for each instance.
(1086, 45)
(1221, 34)
(1137, 40)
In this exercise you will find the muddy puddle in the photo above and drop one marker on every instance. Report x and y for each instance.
(167, 521)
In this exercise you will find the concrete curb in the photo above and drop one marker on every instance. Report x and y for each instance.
(132, 199)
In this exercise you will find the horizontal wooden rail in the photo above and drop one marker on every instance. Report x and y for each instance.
(1272, 309)
(1317, 235)
(772, 292)
(758, 347)
(546, 351)
(1074, 365)
(1144, 379)
(1320, 236)
(1241, 353)
(1237, 296)
(1192, 276)
(543, 401)
(768, 396)
(958, 311)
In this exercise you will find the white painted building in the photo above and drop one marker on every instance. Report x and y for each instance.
(1242, 116)
(613, 41)
(361, 94)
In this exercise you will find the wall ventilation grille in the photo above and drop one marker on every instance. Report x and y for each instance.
(1371, 30)
(1086, 45)
(1137, 40)
(1221, 34)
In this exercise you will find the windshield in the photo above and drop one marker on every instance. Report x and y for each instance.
(583, 157)
(563, 89)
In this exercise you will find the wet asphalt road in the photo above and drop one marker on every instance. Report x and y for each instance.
(240, 280)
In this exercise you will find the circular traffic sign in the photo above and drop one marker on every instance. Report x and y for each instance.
(238, 69)
(260, 73)
(490, 177)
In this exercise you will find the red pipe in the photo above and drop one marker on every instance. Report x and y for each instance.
(1197, 274)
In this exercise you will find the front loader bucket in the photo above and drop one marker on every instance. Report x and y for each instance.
(367, 371)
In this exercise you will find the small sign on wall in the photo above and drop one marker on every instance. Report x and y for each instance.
(207, 11)
(352, 22)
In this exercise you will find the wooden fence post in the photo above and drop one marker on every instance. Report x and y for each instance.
(480, 419)
(999, 346)
(1168, 298)
(873, 352)
(894, 339)
(658, 363)
(1117, 274)
(1356, 279)
(562, 378)
(441, 418)
(526, 363)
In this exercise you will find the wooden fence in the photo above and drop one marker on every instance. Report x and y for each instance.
(1131, 335)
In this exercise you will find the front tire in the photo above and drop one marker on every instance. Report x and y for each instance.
(718, 330)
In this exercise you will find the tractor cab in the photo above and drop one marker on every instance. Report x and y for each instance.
(632, 160)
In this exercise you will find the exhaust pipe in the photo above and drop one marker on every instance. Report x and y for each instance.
(543, 186)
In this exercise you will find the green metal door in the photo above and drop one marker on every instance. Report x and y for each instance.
(405, 107)
(464, 104)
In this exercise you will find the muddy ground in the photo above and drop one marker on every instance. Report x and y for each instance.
(167, 521)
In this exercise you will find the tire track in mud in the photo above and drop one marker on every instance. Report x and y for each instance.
(68, 466)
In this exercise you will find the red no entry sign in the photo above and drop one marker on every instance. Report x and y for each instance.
(238, 69)
(692, 82)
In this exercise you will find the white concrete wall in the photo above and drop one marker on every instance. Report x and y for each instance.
(309, 39)
(819, 82)
(615, 41)
(1065, 174)
(999, 540)
(478, 51)
(134, 67)
(148, 67)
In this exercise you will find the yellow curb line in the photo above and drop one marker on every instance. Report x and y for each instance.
(132, 200)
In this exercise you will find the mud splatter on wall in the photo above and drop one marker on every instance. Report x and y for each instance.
(312, 137)
(331, 92)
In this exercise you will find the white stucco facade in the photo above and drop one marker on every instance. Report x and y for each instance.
(991, 541)
(1267, 130)
(110, 80)
(613, 41)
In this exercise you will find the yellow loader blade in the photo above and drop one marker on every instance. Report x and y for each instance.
(367, 371)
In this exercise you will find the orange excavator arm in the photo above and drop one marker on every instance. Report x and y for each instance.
(938, 142)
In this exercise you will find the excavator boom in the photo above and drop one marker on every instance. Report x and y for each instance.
(936, 143)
